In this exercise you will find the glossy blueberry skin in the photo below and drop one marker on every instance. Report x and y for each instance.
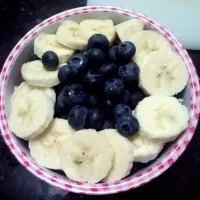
(129, 71)
(98, 41)
(50, 60)
(95, 119)
(93, 82)
(121, 109)
(61, 109)
(113, 53)
(127, 125)
(78, 117)
(136, 98)
(68, 73)
(72, 95)
(114, 87)
(108, 124)
(126, 50)
(95, 58)
(108, 70)
(79, 61)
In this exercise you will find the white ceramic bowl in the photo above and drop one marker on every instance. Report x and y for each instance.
(11, 76)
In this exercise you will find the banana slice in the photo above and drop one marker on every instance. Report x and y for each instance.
(124, 157)
(45, 148)
(127, 29)
(24, 89)
(145, 150)
(163, 73)
(35, 74)
(161, 118)
(30, 116)
(90, 27)
(86, 157)
(147, 42)
(48, 42)
(68, 35)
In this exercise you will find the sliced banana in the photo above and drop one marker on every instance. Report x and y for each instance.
(68, 35)
(90, 27)
(146, 42)
(86, 157)
(24, 89)
(161, 118)
(124, 157)
(31, 115)
(45, 148)
(35, 74)
(145, 150)
(163, 72)
(48, 42)
(127, 29)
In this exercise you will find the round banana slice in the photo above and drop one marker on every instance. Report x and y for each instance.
(35, 74)
(90, 27)
(127, 29)
(163, 73)
(124, 157)
(161, 118)
(68, 35)
(24, 89)
(45, 148)
(145, 150)
(86, 157)
(48, 42)
(31, 115)
(146, 42)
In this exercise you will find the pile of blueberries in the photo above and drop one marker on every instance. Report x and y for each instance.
(99, 87)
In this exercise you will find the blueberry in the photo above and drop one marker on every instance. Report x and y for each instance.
(93, 101)
(114, 87)
(127, 125)
(121, 109)
(93, 82)
(129, 71)
(50, 60)
(68, 73)
(61, 109)
(98, 41)
(33, 57)
(78, 117)
(95, 58)
(108, 70)
(126, 97)
(126, 50)
(113, 52)
(95, 119)
(108, 104)
(58, 88)
(108, 124)
(73, 94)
(84, 53)
(79, 61)
(136, 98)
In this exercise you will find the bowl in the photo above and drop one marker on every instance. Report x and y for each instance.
(11, 76)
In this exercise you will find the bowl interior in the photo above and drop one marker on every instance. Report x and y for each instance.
(22, 56)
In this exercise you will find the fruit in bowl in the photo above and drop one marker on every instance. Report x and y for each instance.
(99, 96)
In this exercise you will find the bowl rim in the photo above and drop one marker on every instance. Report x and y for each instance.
(136, 180)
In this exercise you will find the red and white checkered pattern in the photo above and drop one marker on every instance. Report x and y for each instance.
(136, 180)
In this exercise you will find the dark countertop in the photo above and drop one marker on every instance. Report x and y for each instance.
(181, 181)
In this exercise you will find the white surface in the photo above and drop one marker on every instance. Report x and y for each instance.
(181, 17)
